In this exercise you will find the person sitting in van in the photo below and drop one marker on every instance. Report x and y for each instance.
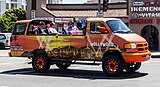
(74, 27)
(52, 29)
(40, 28)
(71, 27)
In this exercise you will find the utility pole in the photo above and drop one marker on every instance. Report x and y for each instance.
(99, 13)
(99, 4)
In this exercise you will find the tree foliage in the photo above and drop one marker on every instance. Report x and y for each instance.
(8, 19)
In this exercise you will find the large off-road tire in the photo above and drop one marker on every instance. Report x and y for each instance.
(132, 67)
(113, 65)
(40, 63)
(63, 65)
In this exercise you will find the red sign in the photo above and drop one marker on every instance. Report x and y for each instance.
(32, 14)
(140, 21)
(151, 3)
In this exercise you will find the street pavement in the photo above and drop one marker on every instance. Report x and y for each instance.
(15, 72)
(4, 52)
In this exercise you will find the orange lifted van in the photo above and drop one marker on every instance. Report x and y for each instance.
(106, 40)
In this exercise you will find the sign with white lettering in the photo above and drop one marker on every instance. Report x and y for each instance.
(63, 20)
(145, 9)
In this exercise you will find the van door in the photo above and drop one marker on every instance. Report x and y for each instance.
(63, 46)
(18, 39)
(79, 47)
(97, 39)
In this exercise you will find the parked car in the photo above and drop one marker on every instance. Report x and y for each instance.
(4, 40)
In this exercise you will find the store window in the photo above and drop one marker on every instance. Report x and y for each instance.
(23, 7)
(0, 6)
(7, 5)
(13, 5)
(13, 0)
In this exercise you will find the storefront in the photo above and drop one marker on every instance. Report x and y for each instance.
(144, 19)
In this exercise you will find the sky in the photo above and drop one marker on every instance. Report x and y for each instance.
(74, 1)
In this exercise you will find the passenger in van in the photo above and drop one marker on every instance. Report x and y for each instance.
(36, 30)
(74, 27)
(52, 29)
(64, 29)
(71, 27)
(41, 28)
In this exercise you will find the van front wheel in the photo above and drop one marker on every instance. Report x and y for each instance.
(112, 65)
(40, 63)
(132, 67)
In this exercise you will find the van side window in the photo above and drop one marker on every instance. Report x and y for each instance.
(33, 30)
(94, 27)
(19, 29)
(37, 30)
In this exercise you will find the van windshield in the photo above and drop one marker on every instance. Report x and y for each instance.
(117, 26)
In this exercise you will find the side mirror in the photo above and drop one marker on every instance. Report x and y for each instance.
(103, 30)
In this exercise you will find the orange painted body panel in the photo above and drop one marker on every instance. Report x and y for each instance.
(120, 39)
(136, 57)
(85, 47)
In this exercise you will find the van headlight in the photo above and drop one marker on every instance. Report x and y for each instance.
(130, 46)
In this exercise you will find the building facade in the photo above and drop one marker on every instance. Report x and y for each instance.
(144, 19)
(40, 9)
(8, 4)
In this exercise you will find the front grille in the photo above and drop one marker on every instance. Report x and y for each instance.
(142, 47)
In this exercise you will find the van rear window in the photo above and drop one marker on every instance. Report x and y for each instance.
(19, 29)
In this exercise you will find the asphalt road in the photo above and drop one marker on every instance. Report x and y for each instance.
(15, 72)
(4, 52)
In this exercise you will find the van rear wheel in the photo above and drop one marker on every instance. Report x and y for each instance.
(40, 63)
(112, 65)
(63, 65)
(132, 67)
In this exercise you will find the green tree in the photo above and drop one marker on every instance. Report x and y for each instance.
(8, 19)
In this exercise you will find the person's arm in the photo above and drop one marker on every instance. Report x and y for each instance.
(53, 31)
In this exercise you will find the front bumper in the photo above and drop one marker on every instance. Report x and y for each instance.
(136, 57)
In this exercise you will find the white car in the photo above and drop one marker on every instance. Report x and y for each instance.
(5, 40)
